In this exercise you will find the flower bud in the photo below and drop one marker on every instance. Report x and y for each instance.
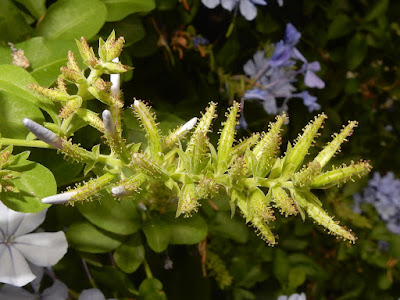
(43, 133)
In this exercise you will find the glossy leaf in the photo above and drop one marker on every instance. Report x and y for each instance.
(37, 8)
(158, 234)
(46, 57)
(13, 26)
(225, 226)
(151, 289)
(130, 255)
(187, 231)
(356, 51)
(71, 19)
(35, 183)
(119, 9)
(120, 217)
(340, 26)
(13, 110)
(85, 237)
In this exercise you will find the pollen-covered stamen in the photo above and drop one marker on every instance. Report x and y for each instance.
(59, 198)
(108, 121)
(43, 133)
(340, 175)
(179, 133)
(115, 81)
(334, 146)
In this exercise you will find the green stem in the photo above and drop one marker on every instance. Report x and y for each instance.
(107, 160)
(147, 269)
(25, 143)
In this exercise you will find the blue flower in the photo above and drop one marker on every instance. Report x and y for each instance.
(292, 36)
(199, 40)
(383, 192)
(92, 294)
(301, 296)
(310, 78)
(308, 100)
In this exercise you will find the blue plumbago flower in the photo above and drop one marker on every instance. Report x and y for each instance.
(274, 76)
(301, 296)
(17, 247)
(92, 294)
(308, 100)
(58, 291)
(247, 8)
(383, 192)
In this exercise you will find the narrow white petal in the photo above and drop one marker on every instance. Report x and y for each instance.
(14, 268)
(43, 133)
(229, 4)
(43, 249)
(16, 223)
(91, 294)
(10, 292)
(58, 291)
(59, 198)
(108, 122)
(189, 124)
(115, 81)
(248, 10)
(119, 191)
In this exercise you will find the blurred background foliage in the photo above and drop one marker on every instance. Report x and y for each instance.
(356, 43)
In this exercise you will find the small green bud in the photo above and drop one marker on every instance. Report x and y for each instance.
(227, 138)
(296, 155)
(282, 201)
(148, 166)
(71, 106)
(114, 67)
(179, 133)
(333, 147)
(188, 201)
(305, 177)
(91, 188)
(148, 121)
(87, 53)
(340, 175)
(91, 118)
(53, 94)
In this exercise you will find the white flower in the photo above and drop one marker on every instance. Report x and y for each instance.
(301, 296)
(17, 247)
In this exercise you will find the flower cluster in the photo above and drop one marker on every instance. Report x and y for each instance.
(383, 192)
(273, 77)
(247, 8)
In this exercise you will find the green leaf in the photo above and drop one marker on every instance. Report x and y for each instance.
(151, 289)
(35, 183)
(5, 56)
(120, 217)
(296, 277)
(157, 233)
(356, 51)
(13, 26)
(85, 237)
(130, 255)
(14, 80)
(47, 57)
(13, 110)
(281, 266)
(132, 27)
(37, 8)
(378, 10)
(340, 26)
(233, 228)
(187, 231)
(69, 19)
(119, 9)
